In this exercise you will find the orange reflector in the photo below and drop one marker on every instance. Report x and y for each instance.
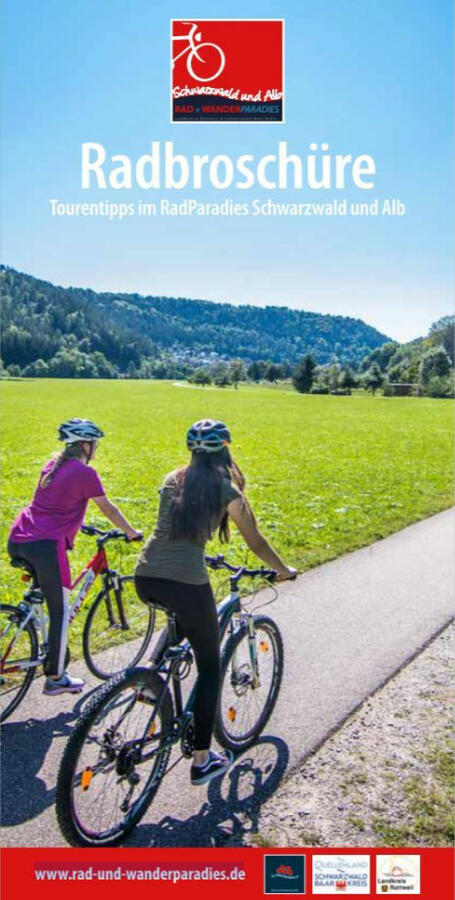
(86, 779)
(232, 714)
(264, 646)
(152, 729)
(25, 578)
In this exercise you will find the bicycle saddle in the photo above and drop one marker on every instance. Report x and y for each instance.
(18, 563)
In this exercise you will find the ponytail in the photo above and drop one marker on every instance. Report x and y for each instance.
(71, 451)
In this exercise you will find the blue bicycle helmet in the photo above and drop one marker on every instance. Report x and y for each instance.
(208, 436)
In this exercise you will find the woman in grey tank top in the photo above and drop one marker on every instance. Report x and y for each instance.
(195, 502)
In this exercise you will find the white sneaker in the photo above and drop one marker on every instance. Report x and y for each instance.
(65, 684)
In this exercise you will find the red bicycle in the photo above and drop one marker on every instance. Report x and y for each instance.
(116, 633)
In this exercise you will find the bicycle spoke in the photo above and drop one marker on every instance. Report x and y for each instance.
(244, 707)
(103, 792)
(18, 646)
(117, 631)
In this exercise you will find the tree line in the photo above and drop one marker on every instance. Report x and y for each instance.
(424, 367)
(75, 332)
(56, 332)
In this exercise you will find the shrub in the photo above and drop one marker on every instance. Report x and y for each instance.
(435, 363)
(440, 386)
(374, 378)
(200, 376)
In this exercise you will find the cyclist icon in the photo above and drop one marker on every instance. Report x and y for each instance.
(199, 65)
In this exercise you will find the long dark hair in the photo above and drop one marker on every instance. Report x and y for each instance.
(197, 508)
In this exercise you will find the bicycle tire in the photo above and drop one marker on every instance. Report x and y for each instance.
(69, 783)
(236, 686)
(105, 651)
(31, 636)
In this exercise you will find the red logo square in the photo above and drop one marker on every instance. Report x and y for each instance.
(227, 70)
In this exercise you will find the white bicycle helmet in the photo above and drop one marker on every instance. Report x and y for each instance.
(79, 430)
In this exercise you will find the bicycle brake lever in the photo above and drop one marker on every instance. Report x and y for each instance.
(271, 576)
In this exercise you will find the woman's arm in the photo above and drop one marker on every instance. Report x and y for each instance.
(112, 512)
(241, 514)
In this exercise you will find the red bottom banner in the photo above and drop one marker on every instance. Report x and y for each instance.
(239, 872)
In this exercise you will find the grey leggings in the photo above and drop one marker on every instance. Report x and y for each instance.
(195, 611)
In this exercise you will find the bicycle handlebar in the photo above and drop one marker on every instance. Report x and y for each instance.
(105, 536)
(219, 562)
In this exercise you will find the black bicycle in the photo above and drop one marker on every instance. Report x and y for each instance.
(118, 753)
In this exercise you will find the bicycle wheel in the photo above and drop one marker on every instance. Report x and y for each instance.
(17, 645)
(104, 784)
(213, 60)
(244, 709)
(117, 630)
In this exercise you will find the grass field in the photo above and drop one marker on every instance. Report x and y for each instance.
(325, 474)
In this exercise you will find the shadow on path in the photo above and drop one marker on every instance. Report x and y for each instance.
(233, 805)
(24, 748)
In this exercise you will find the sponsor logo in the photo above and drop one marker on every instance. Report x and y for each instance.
(227, 70)
(284, 874)
(398, 874)
(341, 874)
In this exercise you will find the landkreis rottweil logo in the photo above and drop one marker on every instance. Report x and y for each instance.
(398, 874)
(227, 70)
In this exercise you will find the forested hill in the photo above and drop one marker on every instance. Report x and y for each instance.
(41, 320)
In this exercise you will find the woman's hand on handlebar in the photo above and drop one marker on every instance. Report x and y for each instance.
(287, 574)
(133, 535)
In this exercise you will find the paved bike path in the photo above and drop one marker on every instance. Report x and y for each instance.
(347, 627)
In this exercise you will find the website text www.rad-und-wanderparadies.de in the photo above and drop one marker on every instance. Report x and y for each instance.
(172, 872)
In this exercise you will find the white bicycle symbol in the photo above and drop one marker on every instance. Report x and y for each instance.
(193, 49)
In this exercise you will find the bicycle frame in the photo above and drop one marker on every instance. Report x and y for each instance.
(98, 565)
(226, 611)
(177, 653)
(192, 47)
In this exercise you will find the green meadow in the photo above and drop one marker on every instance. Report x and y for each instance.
(325, 475)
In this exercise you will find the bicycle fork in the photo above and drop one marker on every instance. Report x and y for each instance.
(121, 623)
(253, 650)
(252, 653)
(234, 602)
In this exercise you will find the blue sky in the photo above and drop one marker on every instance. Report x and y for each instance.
(366, 77)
